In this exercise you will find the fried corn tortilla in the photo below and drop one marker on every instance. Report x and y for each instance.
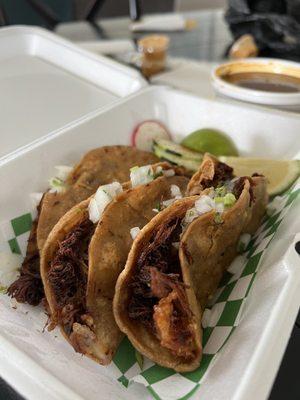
(97, 167)
(214, 173)
(172, 269)
(81, 262)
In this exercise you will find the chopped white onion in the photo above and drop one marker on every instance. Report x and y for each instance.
(102, 199)
(104, 195)
(190, 215)
(63, 171)
(10, 265)
(145, 174)
(159, 170)
(141, 175)
(175, 192)
(204, 204)
(56, 185)
(111, 189)
(134, 232)
(94, 214)
(169, 172)
(167, 203)
(219, 207)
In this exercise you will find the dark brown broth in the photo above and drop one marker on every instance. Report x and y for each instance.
(265, 81)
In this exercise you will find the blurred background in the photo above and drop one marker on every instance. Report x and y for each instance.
(208, 31)
(24, 11)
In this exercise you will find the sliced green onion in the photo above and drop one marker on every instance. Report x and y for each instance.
(219, 199)
(229, 200)
(158, 206)
(55, 181)
(220, 191)
(56, 184)
(158, 172)
(63, 171)
(218, 218)
(3, 289)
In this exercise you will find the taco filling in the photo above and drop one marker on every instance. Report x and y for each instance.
(68, 272)
(212, 173)
(158, 297)
(158, 293)
(222, 173)
(28, 288)
(68, 276)
(69, 187)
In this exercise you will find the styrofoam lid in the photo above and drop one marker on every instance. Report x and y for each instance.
(47, 82)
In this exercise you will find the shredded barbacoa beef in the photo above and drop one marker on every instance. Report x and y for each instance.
(222, 173)
(239, 186)
(28, 288)
(158, 294)
(68, 274)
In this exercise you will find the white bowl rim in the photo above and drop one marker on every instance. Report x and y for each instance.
(252, 95)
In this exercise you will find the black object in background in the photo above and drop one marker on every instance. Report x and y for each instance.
(48, 13)
(275, 25)
(286, 385)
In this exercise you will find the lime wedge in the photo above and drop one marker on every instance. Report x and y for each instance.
(211, 141)
(280, 174)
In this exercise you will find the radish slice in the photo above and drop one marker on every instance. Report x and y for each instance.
(144, 134)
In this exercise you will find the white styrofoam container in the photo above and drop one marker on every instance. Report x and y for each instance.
(47, 82)
(44, 366)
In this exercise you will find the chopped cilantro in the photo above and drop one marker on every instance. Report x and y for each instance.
(3, 289)
(220, 191)
(218, 218)
(229, 200)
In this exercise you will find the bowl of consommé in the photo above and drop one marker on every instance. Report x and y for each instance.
(260, 80)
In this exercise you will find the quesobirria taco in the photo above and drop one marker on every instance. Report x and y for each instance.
(178, 259)
(88, 248)
(98, 167)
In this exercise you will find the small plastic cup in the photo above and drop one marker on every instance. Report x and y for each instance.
(154, 50)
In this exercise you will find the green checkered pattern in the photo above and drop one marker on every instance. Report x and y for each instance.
(14, 234)
(225, 309)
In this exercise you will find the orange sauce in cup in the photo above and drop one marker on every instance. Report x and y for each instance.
(154, 50)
